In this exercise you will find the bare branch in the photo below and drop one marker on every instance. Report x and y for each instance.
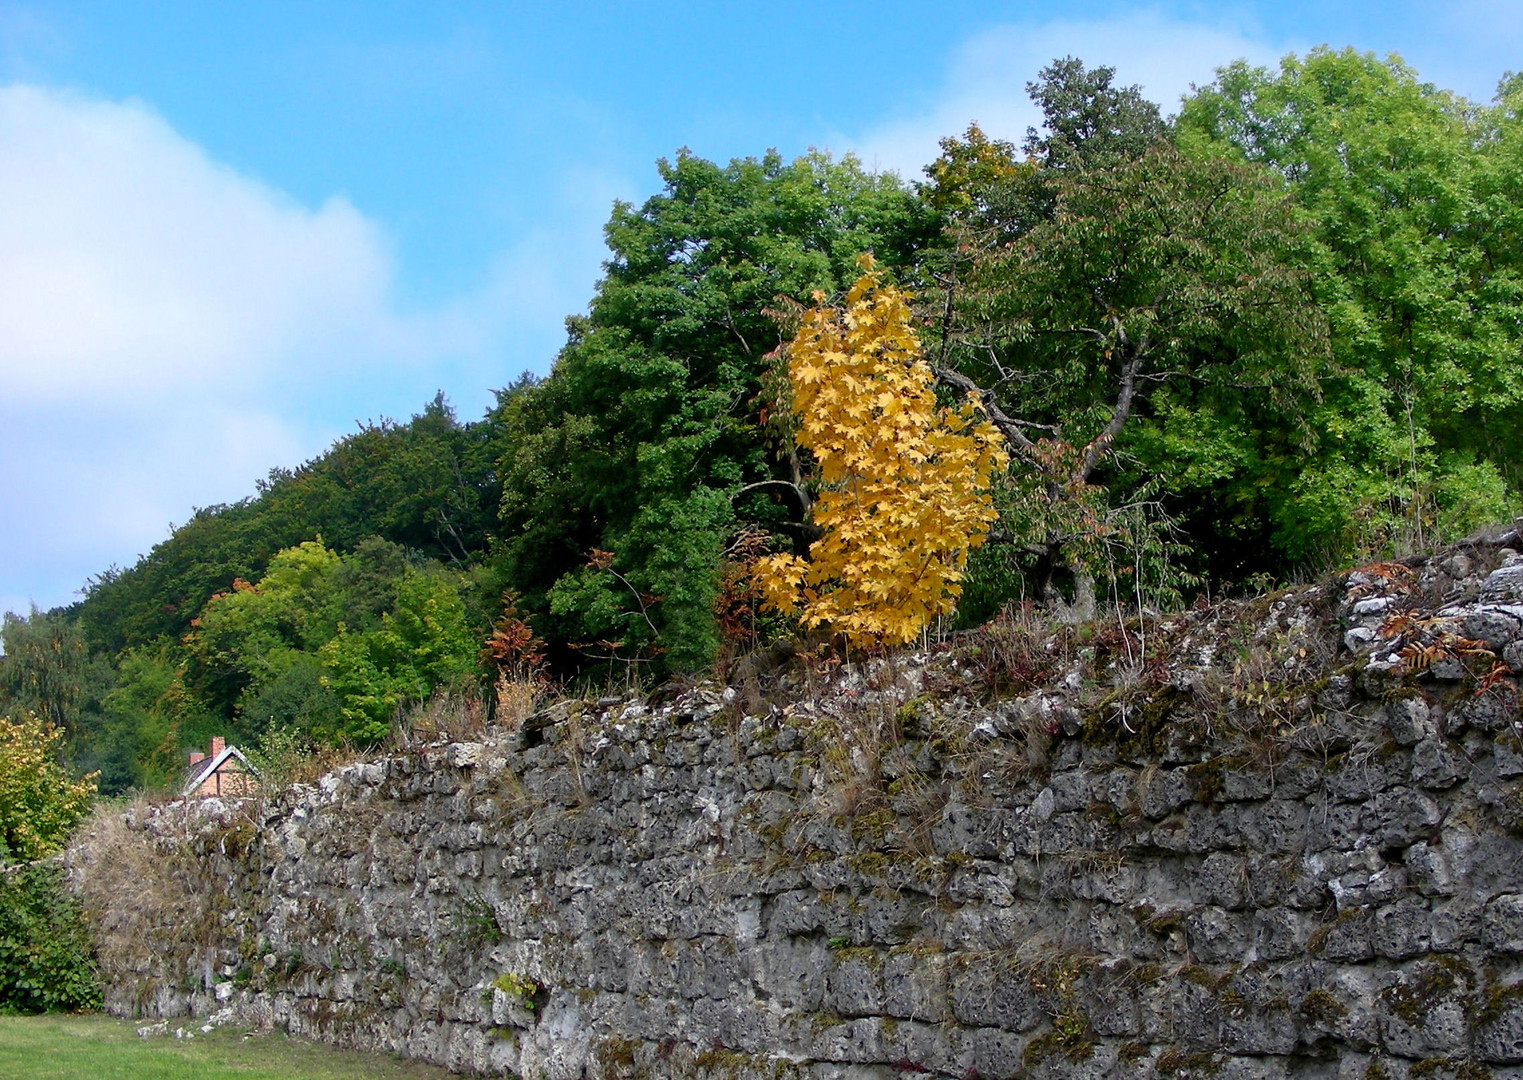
(1011, 429)
(799, 494)
(1101, 442)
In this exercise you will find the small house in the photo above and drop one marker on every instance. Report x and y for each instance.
(224, 772)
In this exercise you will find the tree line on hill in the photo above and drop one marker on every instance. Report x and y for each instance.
(1275, 332)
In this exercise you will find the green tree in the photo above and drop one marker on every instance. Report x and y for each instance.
(137, 745)
(1157, 301)
(428, 485)
(1411, 194)
(1088, 122)
(247, 637)
(48, 668)
(329, 644)
(647, 439)
(422, 645)
(46, 956)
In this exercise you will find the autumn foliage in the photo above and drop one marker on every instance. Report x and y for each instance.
(903, 485)
(39, 803)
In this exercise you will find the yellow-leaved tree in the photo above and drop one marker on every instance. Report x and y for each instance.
(39, 803)
(904, 486)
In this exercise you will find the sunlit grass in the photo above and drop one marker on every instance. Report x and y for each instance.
(95, 1047)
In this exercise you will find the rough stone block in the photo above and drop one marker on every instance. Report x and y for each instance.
(915, 987)
(1346, 938)
(1495, 626)
(1428, 869)
(1495, 710)
(1436, 765)
(1502, 923)
(1401, 930)
(1504, 585)
(1217, 936)
(1279, 933)
(1508, 755)
(1410, 720)
(1400, 817)
(1222, 880)
(854, 984)
(993, 992)
(997, 1054)
(1250, 1030)
(1499, 1029)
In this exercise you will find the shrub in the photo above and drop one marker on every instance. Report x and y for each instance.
(46, 963)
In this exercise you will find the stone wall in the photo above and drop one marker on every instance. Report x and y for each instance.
(1270, 839)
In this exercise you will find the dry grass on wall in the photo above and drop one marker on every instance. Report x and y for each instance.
(156, 896)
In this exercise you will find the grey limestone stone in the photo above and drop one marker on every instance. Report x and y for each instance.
(1436, 765)
(1222, 880)
(1400, 816)
(1502, 923)
(1499, 1032)
(1504, 584)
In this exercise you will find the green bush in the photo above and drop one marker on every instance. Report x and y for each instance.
(46, 962)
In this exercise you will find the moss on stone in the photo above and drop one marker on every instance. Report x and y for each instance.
(1495, 1000)
(1412, 999)
(1178, 1062)
(1321, 1007)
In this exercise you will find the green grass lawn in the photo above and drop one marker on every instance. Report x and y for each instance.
(96, 1047)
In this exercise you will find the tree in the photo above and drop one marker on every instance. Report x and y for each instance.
(46, 955)
(647, 440)
(1161, 292)
(331, 645)
(1088, 121)
(428, 485)
(1411, 196)
(46, 667)
(247, 637)
(968, 171)
(39, 803)
(422, 645)
(903, 485)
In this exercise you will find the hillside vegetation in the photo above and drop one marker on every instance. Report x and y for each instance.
(1275, 333)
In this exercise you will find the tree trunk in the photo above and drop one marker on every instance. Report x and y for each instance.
(1081, 608)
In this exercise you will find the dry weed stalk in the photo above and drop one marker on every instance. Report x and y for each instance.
(453, 715)
(516, 700)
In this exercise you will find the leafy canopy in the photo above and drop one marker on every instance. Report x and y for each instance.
(644, 439)
(1088, 121)
(1411, 196)
(46, 955)
(1135, 325)
(332, 644)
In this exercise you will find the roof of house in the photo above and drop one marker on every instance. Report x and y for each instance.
(209, 768)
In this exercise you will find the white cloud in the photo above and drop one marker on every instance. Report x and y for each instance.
(86, 486)
(159, 315)
(131, 263)
(171, 329)
(986, 77)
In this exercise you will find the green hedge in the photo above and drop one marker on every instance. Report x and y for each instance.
(46, 962)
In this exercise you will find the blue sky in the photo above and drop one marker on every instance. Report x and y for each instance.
(229, 232)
